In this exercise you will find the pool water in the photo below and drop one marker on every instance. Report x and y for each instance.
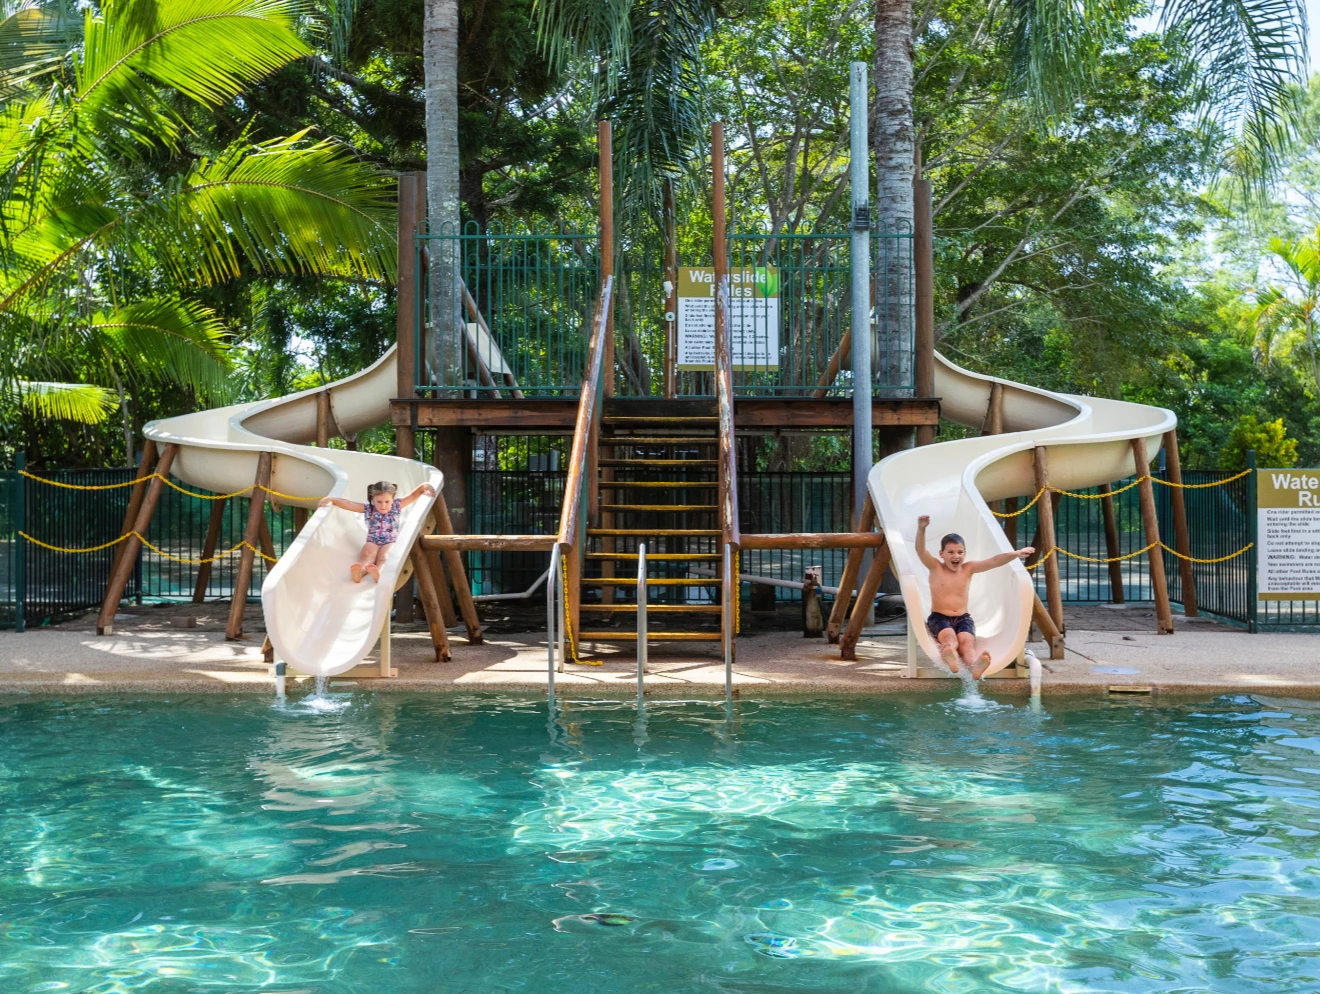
(392, 844)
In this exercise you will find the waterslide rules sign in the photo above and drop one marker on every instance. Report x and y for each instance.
(1288, 534)
(753, 317)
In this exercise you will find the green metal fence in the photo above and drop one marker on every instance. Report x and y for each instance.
(517, 304)
(521, 302)
(40, 586)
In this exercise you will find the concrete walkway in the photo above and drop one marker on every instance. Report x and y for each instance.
(149, 653)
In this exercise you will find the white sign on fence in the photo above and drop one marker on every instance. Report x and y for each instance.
(1288, 534)
(753, 317)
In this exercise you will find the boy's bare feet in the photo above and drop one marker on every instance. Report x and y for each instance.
(356, 571)
(980, 666)
(374, 572)
(950, 657)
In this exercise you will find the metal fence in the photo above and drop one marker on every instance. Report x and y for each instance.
(517, 303)
(45, 586)
(511, 503)
(520, 306)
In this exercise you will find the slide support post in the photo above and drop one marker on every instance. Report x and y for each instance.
(1111, 545)
(251, 535)
(851, 570)
(208, 548)
(1151, 525)
(1045, 515)
(1182, 538)
(114, 590)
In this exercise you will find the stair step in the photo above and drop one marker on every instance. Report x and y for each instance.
(658, 532)
(659, 507)
(642, 440)
(656, 608)
(673, 557)
(665, 419)
(650, 636)
(651, 581)
(657, 462)
(678, 484)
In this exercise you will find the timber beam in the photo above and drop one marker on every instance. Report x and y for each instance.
(749, 412)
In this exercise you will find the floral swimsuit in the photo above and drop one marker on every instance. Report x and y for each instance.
(383, 528)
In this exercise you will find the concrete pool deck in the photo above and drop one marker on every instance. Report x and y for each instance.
(150, 653)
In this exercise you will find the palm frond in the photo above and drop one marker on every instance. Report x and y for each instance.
(600, 29)
(34, 40)
(1056, 47)
(284, 207)
(166, 340)
(80, 402)
(208, 50)
(1252, 54)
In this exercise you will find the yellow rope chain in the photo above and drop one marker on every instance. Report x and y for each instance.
(1113, 493)
(169, 483)
(1133, 555)
(568, 626)
(154, 548)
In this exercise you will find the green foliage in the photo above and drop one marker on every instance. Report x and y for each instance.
(1270, 441)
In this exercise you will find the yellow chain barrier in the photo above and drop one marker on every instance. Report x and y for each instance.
(169, 483)
(568, 627)
(1114, 493)
(154, 548)
(1139, 552)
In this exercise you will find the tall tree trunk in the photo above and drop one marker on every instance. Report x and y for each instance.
(892, 140)
(440, 55)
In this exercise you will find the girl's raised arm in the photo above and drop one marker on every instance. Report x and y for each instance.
(424, 488)
(347, 505)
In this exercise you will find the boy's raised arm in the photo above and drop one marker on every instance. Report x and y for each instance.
(929, 561)
(994, 562)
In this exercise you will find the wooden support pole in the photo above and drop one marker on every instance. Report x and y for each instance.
(251, 535)
(1151, 525)
(1048, 629)
(265, 542)
(923, 265)
(1047, 537)
(994, 411)
(813, 540)
(430, 603)
(851, 568)
(490, 543)
(146, 467)
(1112, 551)
(123, 569)
(1181, 538)
(605, 144)
(441, 579)
(453, 560)
(299, 520)
(208, 548)
(323, 419)
(862, 609)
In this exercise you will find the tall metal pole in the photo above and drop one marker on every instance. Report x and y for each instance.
(860, 253)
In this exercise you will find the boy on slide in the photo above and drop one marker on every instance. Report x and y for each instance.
(949, 623)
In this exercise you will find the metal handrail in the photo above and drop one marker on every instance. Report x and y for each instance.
(641, 620)
(570, 518)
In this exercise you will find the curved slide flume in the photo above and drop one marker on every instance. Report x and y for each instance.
(319, 621)
(1087, 442)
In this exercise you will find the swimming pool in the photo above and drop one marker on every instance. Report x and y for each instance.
(395, 843)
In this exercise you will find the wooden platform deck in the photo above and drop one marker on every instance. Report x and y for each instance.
(750, 413)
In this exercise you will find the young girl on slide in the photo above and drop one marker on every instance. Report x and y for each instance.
(382, 511)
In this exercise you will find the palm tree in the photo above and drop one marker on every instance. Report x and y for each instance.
(1292, 309)
(109, 224)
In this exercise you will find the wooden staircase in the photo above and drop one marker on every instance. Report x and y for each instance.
(657, 484)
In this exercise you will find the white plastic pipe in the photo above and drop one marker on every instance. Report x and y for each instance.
(523, 596)
(1034, 671)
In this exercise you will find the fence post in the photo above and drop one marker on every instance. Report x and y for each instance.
(1253, 602)
(20, 544)
(1151, 526)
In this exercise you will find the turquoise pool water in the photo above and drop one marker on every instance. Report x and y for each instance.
(395, 844)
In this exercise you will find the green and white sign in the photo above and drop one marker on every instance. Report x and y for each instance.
(753, 317)
(1288, 534)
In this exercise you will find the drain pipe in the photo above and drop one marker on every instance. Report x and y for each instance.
(281, 674)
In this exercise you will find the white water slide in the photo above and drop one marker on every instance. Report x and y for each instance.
(1087, 442)
(319, 620)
